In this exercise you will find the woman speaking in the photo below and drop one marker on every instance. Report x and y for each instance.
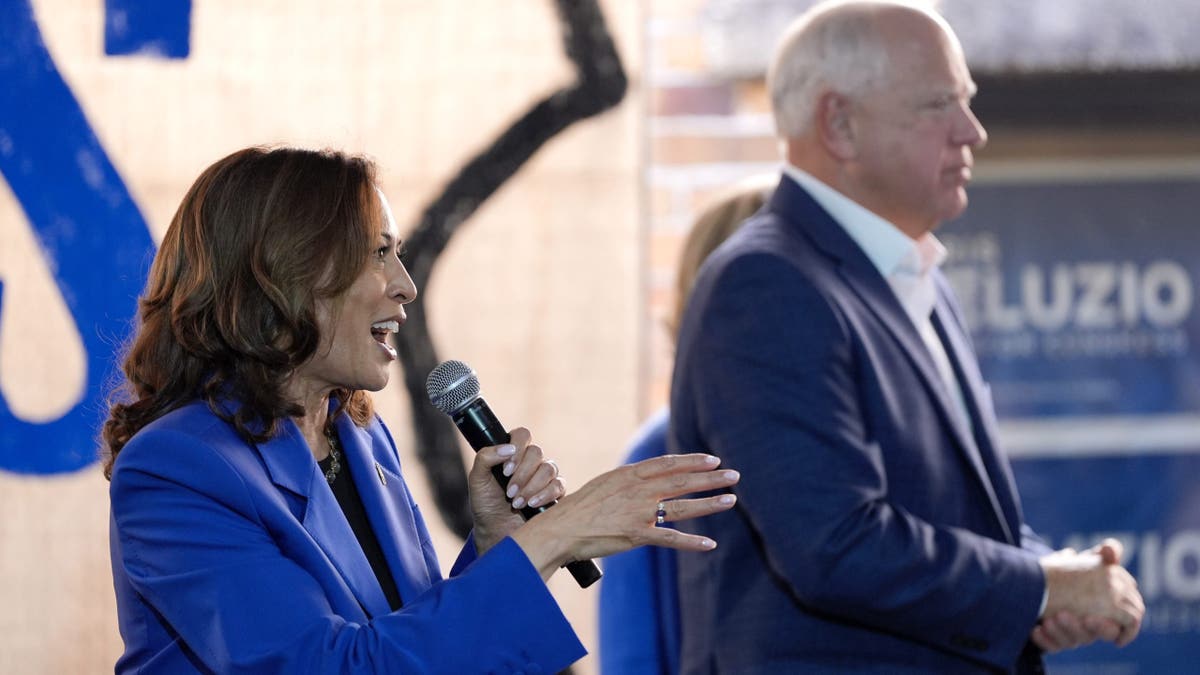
(260, 520)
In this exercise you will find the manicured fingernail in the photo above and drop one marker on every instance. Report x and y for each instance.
(727, 499)
(509, 467)
(712, 460)
(506, 450)
(518, 502)
(535, 501)
(513, 489)
(731, 475)
(708, 543)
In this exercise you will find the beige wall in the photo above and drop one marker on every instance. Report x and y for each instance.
(552, 260)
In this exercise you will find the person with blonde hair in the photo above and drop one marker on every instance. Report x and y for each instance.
(822, 354)
(260, 521)
(639, 602)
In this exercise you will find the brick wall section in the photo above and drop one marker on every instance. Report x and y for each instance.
(702, 133)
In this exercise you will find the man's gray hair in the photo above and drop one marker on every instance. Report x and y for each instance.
(835, 46)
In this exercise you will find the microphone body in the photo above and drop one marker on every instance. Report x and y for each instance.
(480, 426)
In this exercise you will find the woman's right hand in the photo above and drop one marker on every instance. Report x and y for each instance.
(617, 511)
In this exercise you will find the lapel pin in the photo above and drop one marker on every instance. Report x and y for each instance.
(379, 470)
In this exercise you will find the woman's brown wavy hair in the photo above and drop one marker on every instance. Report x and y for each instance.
(229, 307)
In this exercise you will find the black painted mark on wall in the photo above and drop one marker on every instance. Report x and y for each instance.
(599, 85)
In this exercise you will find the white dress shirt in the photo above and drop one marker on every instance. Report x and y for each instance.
(906, 264)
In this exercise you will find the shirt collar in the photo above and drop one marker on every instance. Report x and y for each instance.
(891, 251)
(930, 253)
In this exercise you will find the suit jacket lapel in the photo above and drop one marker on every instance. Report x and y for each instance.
(882, 302)
(1001, 487)
(864, 279)
(291, 466)
(386, 500)
(861, 275)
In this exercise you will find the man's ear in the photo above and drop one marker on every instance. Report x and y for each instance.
(834, 125)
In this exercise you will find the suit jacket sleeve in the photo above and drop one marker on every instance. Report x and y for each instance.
(192, 544)
(775, 384)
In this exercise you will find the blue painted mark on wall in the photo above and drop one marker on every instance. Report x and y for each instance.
(86, 222)
(151, 27)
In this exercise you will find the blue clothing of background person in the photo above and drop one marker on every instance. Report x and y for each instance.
(639, 597)
(639, 600)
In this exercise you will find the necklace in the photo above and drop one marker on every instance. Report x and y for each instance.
(335, 463)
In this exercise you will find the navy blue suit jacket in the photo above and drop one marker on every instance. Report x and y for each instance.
(231, 557)
(875, 531)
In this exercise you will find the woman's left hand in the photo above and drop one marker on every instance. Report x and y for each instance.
(533, 480)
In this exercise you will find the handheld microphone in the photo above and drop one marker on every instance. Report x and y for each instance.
(453, 388)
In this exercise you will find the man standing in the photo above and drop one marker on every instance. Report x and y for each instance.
(824, 357)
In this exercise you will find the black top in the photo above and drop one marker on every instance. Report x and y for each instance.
(347, 497)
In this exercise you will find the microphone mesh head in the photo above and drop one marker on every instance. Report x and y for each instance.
(451, 386)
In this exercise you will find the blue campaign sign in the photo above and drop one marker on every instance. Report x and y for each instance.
(1151, 504)
(1081, 296)
(95, 238)
(1082, 303)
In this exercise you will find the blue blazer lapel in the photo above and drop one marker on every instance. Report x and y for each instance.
(882, 302)
(996, 478)
(386, 500)
(291, 466)
(864, 279)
